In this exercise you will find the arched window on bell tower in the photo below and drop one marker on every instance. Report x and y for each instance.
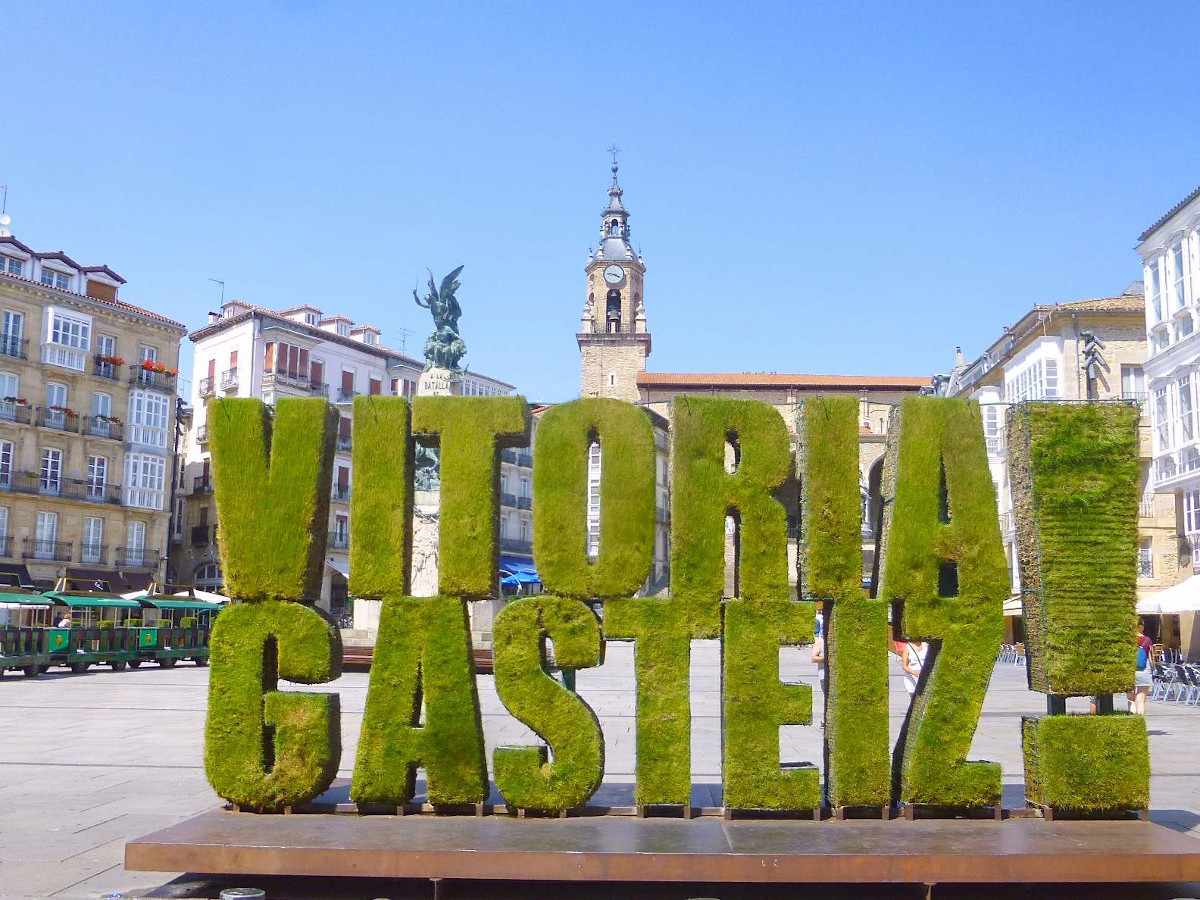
(612, 315)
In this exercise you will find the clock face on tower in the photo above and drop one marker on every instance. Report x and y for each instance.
(614, 274)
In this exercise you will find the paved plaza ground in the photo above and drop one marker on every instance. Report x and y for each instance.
(89, 762)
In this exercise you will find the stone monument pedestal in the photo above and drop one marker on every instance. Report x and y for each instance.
(439, 382)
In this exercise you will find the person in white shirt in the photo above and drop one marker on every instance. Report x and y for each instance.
(912, 662)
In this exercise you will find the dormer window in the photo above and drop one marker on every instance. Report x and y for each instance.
(54, 279)
(11, 266)
(311, 318)
(343, 328)
(370, 337)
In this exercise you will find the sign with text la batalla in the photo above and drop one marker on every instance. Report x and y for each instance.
(943, 575)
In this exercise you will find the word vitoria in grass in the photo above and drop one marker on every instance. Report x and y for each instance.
(942, 579)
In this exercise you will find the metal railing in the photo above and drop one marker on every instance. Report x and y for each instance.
(59, 551)
(229, 379)
(102, 368)
(155, 381)
(200, 535)
(21, 413)
(516, 546)
(339, 540)
(6, 546)
(58, 419)
(517, 457)
(137, 557)
(1146, 508)
(14, 346)
(66, 488)
(318, 388)
(346, 396)
(202, 434)
(341, 492)
(201, 484)
(343, 443)
(207, 386)
(508, 500)
(95, 554)
(1145, 563)
(96, 426)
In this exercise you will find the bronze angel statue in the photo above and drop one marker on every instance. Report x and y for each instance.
(445, 347)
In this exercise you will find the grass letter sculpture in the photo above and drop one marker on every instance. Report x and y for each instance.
(1075, 476)
(858, 767)
(942, 558)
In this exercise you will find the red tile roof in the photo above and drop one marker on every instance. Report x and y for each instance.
(751, 380)
(115, 304)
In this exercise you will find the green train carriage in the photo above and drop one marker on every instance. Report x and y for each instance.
(90, 626)
(174, 626)
(24, 629)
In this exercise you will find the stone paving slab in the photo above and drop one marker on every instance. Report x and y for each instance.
(88, 762)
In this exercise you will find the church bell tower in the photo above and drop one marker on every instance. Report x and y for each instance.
(613, 340)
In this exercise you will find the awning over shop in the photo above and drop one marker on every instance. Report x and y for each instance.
(119, 582)
(22, 573)
(517, 571)
(87, 602)
(163, 603)
(342, 568)
(1183, 597)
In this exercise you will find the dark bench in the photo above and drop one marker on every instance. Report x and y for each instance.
(355, 656)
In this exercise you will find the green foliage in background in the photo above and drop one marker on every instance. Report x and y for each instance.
(931, 439)
(272, 477)
(1075, 474)
(422, 656)
(265, 749)
(1087, 764)
(756, 703)
(662, 635)
(523, 774)
(381, 505)
(627, 501)
(703, 493)
(469, 432)
(856, 651)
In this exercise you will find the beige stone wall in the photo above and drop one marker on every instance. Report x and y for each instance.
(610, 367)
(131, 332)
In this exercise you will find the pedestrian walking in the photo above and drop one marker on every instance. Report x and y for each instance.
(912, 662)
(1143, 679)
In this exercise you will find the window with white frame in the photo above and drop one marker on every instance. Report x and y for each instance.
(92, 550)
(1037, 381)
(51, 473)
(1185, 409)
(4, 533)
(1133, 383)
(1191, 511)
(6, 464)
(10, 387)
(97, 477)
(1177, 277)
(68, 338)
(1154, 291)
(54, 279)
(1146, 558)
(311, 318)
(145, 481)
(135, 543)
(343, 328)
(593, 503)
(180, 514)
(149, 413)
(106, 345)
(1162, 417)
(45, 535)
(148, 354)
(11, 266)
(993, 426)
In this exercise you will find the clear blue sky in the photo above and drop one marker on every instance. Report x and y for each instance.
(815, 187)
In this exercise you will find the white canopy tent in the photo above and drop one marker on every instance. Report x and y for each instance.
(1183, 597)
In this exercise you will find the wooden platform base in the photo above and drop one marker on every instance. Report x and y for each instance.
(627, 848)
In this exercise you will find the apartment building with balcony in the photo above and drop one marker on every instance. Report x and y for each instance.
(249, 351)
(1043, 357)
(87, 422)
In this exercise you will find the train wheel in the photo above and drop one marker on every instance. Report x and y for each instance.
(201, 661)
(80, 668)
(119, 665)
(134, 663)
(168, 663)
(33, 671)
(43, 669)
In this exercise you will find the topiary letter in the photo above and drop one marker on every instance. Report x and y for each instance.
(422, 659)
(382, 503)
(265, 749)
(469, 432)
(943, 558)
(274, 516)
(561, 718)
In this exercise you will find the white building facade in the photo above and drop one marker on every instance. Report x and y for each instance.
(249, 351)
(1170, 253)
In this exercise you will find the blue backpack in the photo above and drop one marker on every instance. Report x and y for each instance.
(1143, 660)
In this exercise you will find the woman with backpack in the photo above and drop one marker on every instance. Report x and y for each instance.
(1144, 680)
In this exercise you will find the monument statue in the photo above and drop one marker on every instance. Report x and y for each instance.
(445, 347)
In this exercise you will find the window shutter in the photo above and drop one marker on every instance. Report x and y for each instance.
(376, 386)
